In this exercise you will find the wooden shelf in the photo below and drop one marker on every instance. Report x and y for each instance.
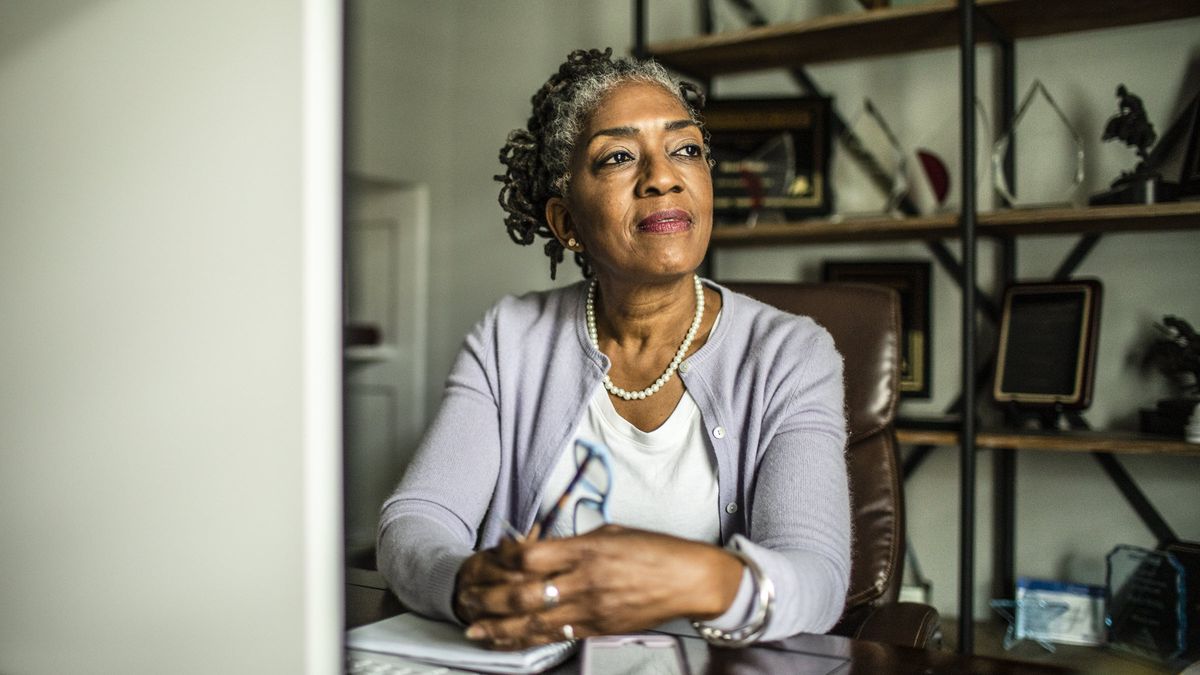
(989, 641)
(371, 353)
(1064, 441)
(899, 30)
(1128, 218)
(830, 38)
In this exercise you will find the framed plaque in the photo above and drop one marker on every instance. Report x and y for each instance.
(910, 278)
(1047, 350)
(772, 155)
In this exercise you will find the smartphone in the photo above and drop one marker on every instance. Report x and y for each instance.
(633, 655)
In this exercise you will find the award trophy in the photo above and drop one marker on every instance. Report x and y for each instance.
(1146, 602)
(1062, 187)
(1143, 184)
(869, 136)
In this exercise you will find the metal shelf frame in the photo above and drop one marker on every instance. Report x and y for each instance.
(995, 22)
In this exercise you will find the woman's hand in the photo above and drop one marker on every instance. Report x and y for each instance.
(611, 580)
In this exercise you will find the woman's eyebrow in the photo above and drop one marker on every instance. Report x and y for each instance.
(681, 124)
(628, 132)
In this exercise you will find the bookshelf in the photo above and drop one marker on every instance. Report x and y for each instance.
(943, 24)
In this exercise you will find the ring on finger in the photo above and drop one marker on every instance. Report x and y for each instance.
(568, 632)
(550, 595)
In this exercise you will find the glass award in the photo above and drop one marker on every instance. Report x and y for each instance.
(934, 160)
(1146, 602)
(1027, 620)
(869, 140)
(1047, 611)
(984, 134)
(1051, 181)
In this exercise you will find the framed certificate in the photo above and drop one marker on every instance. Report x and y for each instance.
(771, 155)
(1047, 350)
(910, 278)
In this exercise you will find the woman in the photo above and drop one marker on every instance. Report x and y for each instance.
(723, 416)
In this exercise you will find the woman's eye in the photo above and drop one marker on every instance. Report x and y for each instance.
(690, 150)
(618, 157)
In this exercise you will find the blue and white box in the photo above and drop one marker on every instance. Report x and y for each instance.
(1053, 611)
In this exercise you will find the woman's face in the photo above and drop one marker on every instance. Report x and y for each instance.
(640, 195)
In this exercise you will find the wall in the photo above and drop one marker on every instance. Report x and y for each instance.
(473, 66)
(434, 89)
(169, 460)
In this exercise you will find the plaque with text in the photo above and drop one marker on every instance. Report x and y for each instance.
(910, 278)
(1048, 338)
(1146, 600)
(771, 155)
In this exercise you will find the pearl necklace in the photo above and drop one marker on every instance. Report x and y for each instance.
(682, 351)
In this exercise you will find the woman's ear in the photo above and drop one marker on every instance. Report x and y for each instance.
(558, 216)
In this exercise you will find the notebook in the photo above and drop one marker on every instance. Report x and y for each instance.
(438, 642)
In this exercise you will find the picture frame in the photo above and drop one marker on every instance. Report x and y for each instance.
(911, 279)
(1047, 347)
(770, 156)
(1189, 177)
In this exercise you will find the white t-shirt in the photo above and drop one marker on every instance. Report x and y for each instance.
(663, 480)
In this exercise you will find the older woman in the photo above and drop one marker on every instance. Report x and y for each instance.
(725, 475)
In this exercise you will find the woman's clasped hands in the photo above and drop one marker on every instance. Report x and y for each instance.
(610, 580)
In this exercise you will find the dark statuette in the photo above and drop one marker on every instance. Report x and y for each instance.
(1143, 184)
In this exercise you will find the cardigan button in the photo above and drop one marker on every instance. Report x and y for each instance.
(731, 508)
(718, 432)
(684, 367)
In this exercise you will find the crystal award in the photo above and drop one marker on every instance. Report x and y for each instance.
(1146, 602)
(1049, 133)
(869, 140)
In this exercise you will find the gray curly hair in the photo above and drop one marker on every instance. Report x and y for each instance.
(537, 158)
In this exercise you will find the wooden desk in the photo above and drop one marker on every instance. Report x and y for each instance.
(368, 600)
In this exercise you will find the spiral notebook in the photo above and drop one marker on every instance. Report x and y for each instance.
(441, 643)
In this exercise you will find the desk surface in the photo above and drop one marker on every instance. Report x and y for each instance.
(367, 600)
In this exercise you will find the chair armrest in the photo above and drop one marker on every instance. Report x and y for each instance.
(908, 624)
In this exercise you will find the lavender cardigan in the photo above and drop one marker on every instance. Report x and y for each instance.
(769, 388)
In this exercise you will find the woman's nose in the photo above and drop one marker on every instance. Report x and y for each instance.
(658, 177)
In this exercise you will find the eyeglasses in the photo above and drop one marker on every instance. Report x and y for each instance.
(589, 487)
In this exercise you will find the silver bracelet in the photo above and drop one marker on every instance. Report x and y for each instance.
(757, 625)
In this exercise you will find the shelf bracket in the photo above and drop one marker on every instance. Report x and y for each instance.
(639, 29)
(989, 24)
(1077, 255)
(948, 263)
(915, 459)
(1137, 499)
(707, 23)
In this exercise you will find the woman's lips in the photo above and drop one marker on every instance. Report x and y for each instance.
(669, 220)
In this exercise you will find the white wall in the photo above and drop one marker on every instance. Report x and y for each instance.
(434, 89)
(447, 82)
(169, 460)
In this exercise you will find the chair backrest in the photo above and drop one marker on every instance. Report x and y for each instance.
(864, 321)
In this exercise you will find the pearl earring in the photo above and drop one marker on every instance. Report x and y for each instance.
(571, 243)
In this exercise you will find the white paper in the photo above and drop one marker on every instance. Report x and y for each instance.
(422, 639)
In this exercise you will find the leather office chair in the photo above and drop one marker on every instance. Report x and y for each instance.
(865, 324)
